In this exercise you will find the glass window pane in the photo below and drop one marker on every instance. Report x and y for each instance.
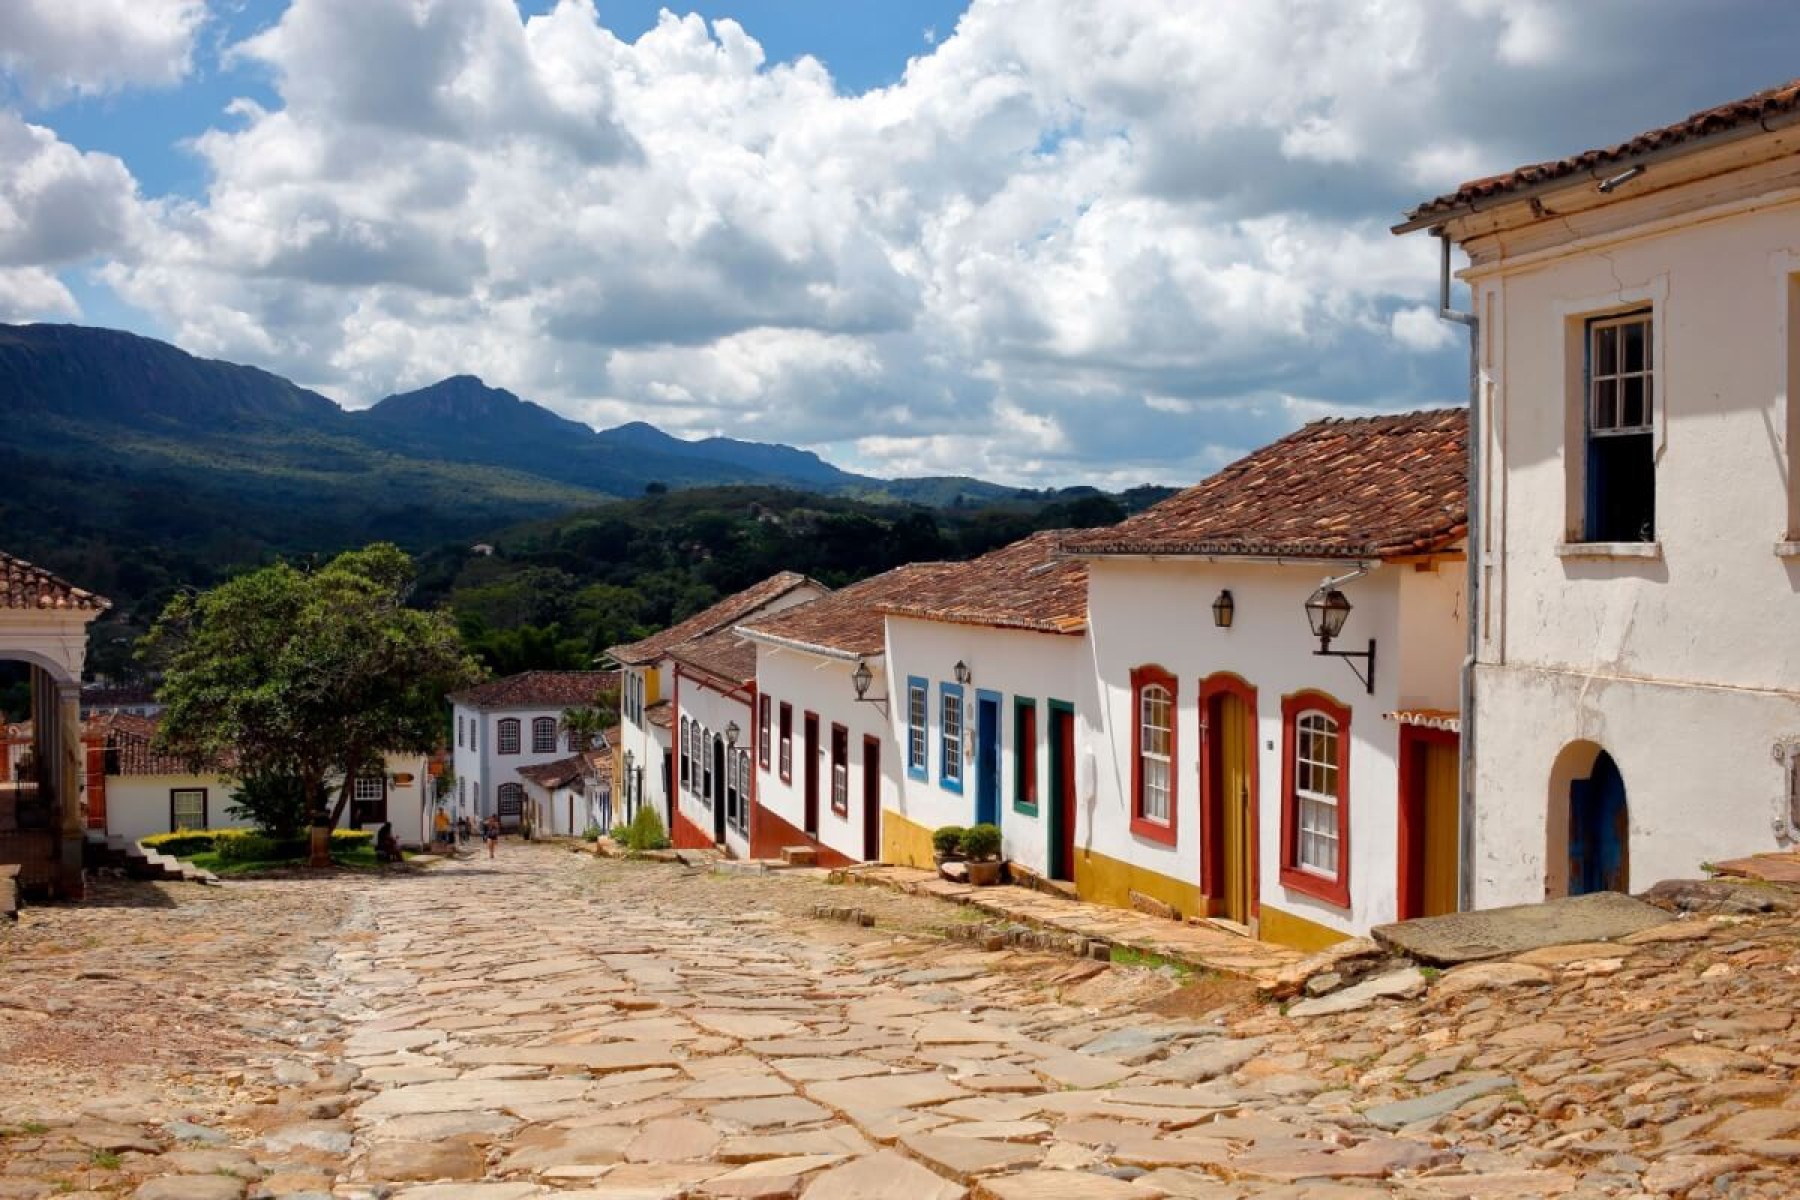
(1606, 350)
(1634, 345)
(1606, 404)
(1632, 410)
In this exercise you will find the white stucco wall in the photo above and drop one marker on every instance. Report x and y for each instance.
(699, 701)
(1680, 666)
(478, 761)
(138, 805)
(1010, 662)
(1159, 612)
(816, 683)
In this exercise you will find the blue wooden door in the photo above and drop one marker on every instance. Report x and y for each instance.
(1598, 831)
(987, 759)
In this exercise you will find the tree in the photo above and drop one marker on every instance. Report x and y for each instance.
(307, 674)
(583, 726)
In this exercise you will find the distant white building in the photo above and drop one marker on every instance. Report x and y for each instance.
(571, 794)
(508, 724)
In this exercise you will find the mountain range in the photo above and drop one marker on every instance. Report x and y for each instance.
(109, 440)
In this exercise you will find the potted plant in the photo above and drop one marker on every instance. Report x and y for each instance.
(946, 844)
(981, 846)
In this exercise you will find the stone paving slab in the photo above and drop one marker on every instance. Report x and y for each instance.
(1502, 932)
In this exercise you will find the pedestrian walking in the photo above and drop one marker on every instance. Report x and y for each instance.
(490, 832)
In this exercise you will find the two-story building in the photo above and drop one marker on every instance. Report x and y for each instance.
(653, 743)
(507, 724)
(1274, 668)
(1637, 499)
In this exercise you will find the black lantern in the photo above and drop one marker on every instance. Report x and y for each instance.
(731, 734)
(861, 679)
(1326, 612)
(1223, 609)
(962, 672)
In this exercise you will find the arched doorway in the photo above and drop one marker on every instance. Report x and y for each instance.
(717, 799)
(1599, 831)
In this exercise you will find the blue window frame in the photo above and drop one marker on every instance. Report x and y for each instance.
(951, 736)
(918, 727)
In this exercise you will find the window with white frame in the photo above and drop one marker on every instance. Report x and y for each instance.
(368, 800)
(840, 770)
(687, 754)
(187, 808)
(764, 738)
(509, 735)
(1316, 792)
(1621, 449)
(915, 727)
(706, 766)
(543, 735)
(787, 742)
(742, 822)
(950, 735)
(1156, 730)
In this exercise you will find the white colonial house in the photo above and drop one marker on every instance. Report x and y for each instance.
(1238, 771)
(1637, 399)
(825, 767)
(567, 796)
(506, 725)
(654, 743)
(987, 664)
(43, 625)
(134, 790)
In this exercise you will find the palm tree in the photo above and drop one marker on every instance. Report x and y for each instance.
(583, 727)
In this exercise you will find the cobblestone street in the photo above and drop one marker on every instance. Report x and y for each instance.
(553, 1024)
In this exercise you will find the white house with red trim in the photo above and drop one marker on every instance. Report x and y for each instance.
(505, 725)
(1637, 398)
(677, 708)
(1237, 773)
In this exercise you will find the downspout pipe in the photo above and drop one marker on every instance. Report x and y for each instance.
(1465, 875)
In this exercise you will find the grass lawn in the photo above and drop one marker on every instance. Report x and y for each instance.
(357, 858)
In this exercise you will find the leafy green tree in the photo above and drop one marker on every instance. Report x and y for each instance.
(582, 726)
(308, 674)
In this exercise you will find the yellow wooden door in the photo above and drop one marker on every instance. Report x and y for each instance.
(1234, 795)
(1442, 829)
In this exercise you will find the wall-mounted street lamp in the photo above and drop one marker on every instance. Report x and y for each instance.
(860, 679)
(1326, 611)
(962, 673)
(1224, 608)
(731, 734)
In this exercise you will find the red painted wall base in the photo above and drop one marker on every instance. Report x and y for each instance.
(771, 833)
(689, 836)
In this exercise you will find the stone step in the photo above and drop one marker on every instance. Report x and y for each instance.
(800, 856)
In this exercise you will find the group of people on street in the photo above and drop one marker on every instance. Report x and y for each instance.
(454, 834)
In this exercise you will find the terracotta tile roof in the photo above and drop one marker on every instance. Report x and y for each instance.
(553, 774)
(599, 763)
(1447, 719)
(661, 714)
(1368, 487)
(539, 689)
(1027, 585)
(1738, 114)
(129, 741)
(723, 615)
(849, 623)
(25, 586)
(724, 655)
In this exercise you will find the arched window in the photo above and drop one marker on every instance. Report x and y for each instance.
(511, 801)
(543, 735)
(687, 752)
(1153, 773)
(1315, 813)
(509, 735)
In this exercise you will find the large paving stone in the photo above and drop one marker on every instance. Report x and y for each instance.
(405, 1162)
(1436, 1104)
(886, 1091)
(1502, 932)
(471, 1095)
(1064, 1185)
(673, 1139)
(883, 1176)
(601, 1058)
(190, 1187)
(966, 1157)
(1396, 985)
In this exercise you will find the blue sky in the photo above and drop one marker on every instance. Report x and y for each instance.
(1055, 242)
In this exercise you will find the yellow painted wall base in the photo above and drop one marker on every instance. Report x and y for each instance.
(1104, 880)
(905, 843)
(1286, 929)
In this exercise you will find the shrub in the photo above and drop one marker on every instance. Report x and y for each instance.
(183, 843)
(981, 842)
(646, 831)
(248, 847)
(947, 839)
(276, 804)
(591, 833)
(619, 834)
(350, 839)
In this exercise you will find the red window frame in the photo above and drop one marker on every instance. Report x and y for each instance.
(763, 706)
(1333, 891)
(1142, 826)
(840, 770)
(787, 742)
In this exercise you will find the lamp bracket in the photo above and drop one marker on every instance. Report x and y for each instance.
(880, 702)
(1350, 657)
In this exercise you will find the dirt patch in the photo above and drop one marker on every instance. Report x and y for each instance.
(1206, 996)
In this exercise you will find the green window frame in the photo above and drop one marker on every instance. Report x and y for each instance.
(1026, 786)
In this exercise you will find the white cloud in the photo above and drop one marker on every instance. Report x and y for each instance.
(61, 48)
(1074, 241)
(32, 294)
